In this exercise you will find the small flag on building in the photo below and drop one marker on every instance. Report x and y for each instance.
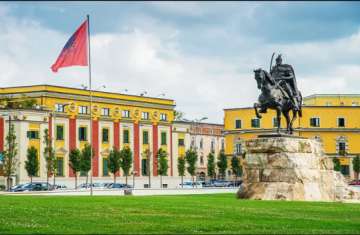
(75, 50)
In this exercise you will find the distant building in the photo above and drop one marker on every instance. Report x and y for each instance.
(332, 119)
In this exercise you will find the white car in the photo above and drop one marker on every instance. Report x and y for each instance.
(189, 184)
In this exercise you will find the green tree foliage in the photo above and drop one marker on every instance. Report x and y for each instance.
(163, 164)
(337, 166)
(23, 102)
(85, 160)
(75, 162)
(222, 164)
(236, 168)
(211, 165)
(181, 168)
(356, 166)
(32, 163)
(10, 162)
(178, 115)
(114, 162)
(49, 155)
(126, 161)
(191, 158)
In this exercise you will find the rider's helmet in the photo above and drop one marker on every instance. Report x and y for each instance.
(278, 59)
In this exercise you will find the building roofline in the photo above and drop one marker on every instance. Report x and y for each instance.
(206, 123)
(304, 106)
(44, 87)
(331, 95)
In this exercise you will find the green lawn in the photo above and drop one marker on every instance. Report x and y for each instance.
(173, 214)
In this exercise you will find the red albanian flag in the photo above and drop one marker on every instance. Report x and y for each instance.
(75, 50)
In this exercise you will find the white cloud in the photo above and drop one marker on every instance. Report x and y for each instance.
(149, 56)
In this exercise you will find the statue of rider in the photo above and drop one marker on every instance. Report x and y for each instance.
(284, 75)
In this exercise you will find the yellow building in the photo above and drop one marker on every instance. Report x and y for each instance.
(141, 123)
(332, 119)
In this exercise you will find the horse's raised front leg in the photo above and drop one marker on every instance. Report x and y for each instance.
(256, 106)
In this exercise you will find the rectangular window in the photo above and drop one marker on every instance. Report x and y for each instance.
(144, 166)
(83, 110)
(222, 144)
(342, 148)
(59, 132)
(255, 123)
(275, 122)
(181, 142)
(105, 167)
(163, 138)
(33, 134)
(82, 133)
(145, 115)
(125, 114)
(355, 103)
(314, 122)
(105, 112)
(59, 166)
(145, 137)
(341, 122)
(105, 135)
(345, 169)
(60, 108)
(212, 147)
(163, 117)
(126, 137)
(237, 124)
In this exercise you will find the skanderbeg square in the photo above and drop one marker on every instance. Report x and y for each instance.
(179, 117)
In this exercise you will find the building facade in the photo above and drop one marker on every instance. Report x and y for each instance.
(332, 119)
(204, 137)
(141, 123)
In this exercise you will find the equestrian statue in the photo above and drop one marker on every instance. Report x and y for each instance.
(279, 92)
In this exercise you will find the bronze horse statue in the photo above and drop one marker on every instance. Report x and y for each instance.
(274, 97)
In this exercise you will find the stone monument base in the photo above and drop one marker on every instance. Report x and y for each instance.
(290, 168)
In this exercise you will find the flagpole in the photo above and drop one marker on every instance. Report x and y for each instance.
(91, 124)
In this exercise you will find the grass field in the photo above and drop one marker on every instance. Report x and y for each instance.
(173, 214)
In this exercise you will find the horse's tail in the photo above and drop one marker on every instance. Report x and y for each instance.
(300, 112)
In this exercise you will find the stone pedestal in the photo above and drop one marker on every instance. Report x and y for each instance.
(291, 168)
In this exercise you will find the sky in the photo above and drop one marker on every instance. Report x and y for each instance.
(201, 54)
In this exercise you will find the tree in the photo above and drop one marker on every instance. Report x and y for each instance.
(10, 162)
(75, 162)
(163, 164)
(236, 167)
(337, 166)
(356, 166)
(114, 162)
(49, 155)
(222, 164)
(126, 161)
(147, 155)
(32, 163)
(191, 158)
(85, 160)
(181, 169)
(178, 115)
(211, 165)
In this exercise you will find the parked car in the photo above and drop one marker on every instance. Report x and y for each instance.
(221, 183)
(36, 186)
(190, 184)
(13, 188)
(355, 182)
(119, 185)
(57, 186)
(235, 183)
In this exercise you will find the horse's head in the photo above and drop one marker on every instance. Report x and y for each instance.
(259, 77)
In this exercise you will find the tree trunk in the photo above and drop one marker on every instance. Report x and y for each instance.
(161, 185)
(75, 180)
(87, 177)
(192, 178)
(31, 179)
(8, 183)
(47, 180)
(114, 177)
(356, 175)
(54, 180)
(182, 181)
(126, 179)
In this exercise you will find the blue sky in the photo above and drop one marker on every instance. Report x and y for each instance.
(201, 54)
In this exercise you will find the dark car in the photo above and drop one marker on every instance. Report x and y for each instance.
(221, 183)
(355, 182)
(235, 183)
(118, 185)
(36, 186)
